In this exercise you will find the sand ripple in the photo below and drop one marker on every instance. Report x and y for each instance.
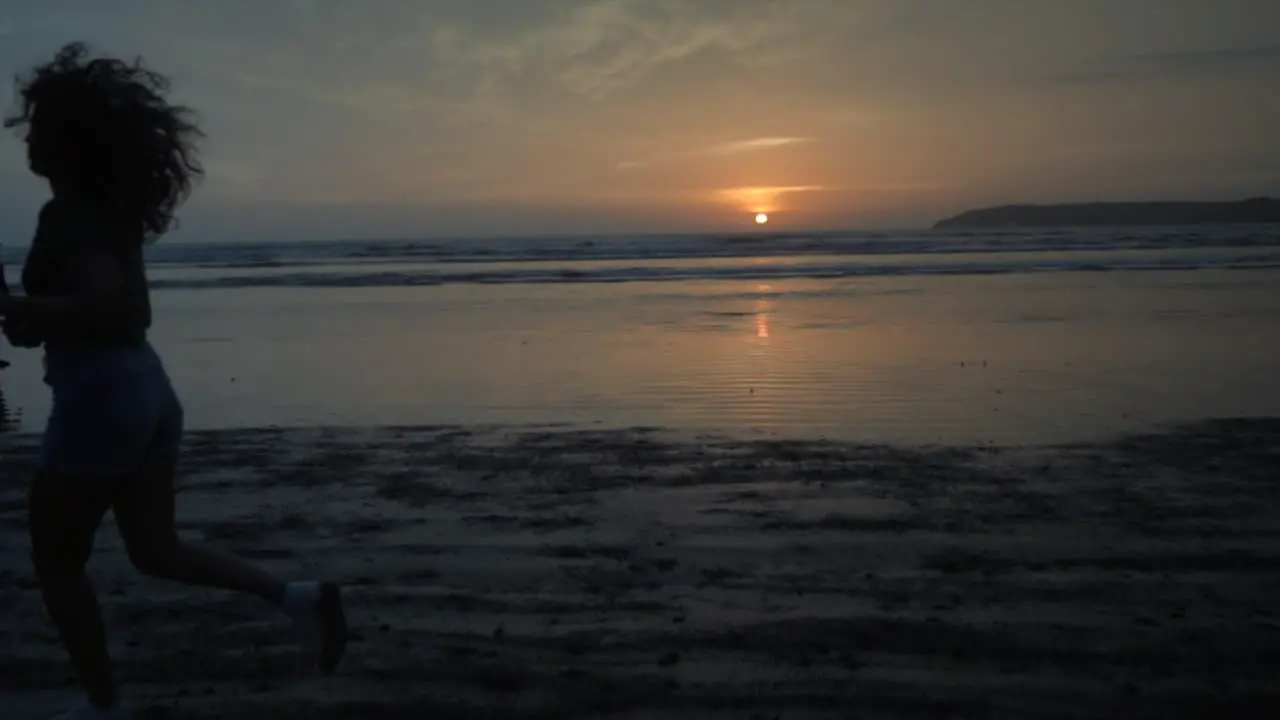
(536, 573)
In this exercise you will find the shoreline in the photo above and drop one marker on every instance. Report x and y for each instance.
(554, 573)
(22, 439)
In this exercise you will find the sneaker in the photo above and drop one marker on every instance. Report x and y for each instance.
(86, 711)
(316, 609)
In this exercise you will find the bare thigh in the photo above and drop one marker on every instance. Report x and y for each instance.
(144, 505)
(144, 509)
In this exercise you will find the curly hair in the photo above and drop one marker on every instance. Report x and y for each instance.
(103, 127)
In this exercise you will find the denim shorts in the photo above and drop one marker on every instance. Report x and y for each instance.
(114, 409)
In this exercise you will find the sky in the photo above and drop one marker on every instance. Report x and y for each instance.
(336, 118)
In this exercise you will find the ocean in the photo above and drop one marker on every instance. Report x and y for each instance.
(1006, 338)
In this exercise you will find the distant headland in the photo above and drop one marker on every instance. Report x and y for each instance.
(1255, 210)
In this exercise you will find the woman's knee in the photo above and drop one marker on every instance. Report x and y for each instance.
(155, 557)
(51, 561)
(144, 516)
(63, 514)
(149, 562)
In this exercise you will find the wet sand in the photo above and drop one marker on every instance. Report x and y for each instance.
(548, 573)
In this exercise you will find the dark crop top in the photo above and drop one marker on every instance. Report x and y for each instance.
(65, 228)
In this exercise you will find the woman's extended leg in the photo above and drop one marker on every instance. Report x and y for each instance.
(63, 515)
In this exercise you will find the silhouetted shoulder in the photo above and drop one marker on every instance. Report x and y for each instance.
(68, 224)
(63, 228)
(59, 227)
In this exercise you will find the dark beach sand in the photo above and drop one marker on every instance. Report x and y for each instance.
(545, 573)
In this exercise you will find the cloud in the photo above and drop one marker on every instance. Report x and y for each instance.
(458, 62)
(1152, 64)
(763, 198)
(735, 147)
(607, 46)
(754, 144)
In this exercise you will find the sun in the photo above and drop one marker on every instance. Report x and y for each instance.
(762, 218)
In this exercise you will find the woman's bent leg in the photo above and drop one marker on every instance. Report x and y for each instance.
(145, 513)
(144, 510)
